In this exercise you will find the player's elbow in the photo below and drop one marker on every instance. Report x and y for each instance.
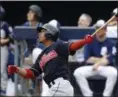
(29, 74)
(76, 45)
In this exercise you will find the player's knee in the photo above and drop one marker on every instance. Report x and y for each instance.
(77, 73)
(113, 74)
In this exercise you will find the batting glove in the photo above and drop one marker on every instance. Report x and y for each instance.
(88, 39)
(12, 69)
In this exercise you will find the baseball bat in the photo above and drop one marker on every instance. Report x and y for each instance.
(112, 18)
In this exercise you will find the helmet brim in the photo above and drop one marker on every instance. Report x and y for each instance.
(39, 29)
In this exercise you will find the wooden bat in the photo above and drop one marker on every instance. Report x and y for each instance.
(111, 19)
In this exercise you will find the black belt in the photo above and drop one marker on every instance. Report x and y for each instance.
(53, 82)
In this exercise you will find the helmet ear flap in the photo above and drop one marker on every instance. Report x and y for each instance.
(48, 36)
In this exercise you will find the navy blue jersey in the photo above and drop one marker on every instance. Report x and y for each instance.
(5, 30)
(53, 62)
(29, 24)
(99, 49)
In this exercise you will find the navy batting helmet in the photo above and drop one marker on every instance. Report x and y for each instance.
(2, 12)
(55, 23)
(52, 33)
(36, 9)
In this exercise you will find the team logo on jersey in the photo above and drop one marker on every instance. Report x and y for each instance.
(104, 51)
(46, 58)
(114, 50)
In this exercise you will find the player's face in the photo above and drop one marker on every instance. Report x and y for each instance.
(41, 36)
(101, 35)
(30, 15)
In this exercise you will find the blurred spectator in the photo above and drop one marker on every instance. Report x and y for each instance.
(112, 29)
(84, 20)
(34, 16)
(36, 52)
(99, 56)
(11, 57)
(5, 39)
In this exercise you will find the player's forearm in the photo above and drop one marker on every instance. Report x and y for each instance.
(104, 61)
(4, 41)
(77, 45)
(21, 71)
(25, 73)
(93, 60)
(80, 43)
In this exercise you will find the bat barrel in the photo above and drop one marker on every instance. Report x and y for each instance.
(104, 24)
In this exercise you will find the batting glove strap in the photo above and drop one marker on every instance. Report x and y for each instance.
(88, 39)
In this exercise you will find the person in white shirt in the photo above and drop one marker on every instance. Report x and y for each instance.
(112, 29)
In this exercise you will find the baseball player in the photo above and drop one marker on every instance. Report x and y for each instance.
(37, 51)
(99, 56)
(5, 33)
(52, 61)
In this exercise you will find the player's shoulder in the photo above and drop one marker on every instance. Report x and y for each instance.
(4, 24)
(59, 42)
(40, 24)
(26, 24)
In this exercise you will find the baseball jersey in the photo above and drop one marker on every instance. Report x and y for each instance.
(5, 30)
(100, 49)
(53, 62)
(29, 24)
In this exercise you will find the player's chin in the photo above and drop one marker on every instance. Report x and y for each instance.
(40, 40)
(28, 19)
